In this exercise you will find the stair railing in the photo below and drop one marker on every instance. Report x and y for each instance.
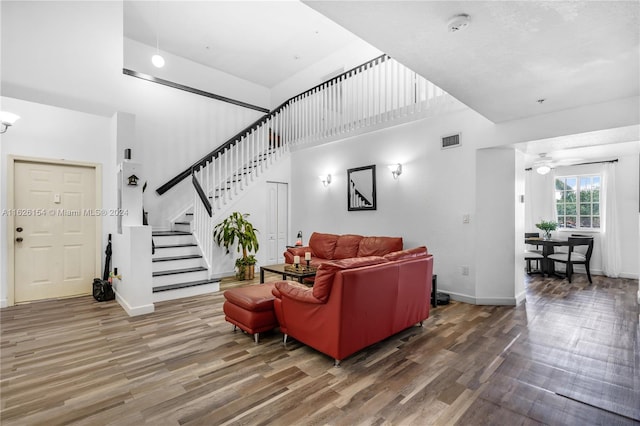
(379, 91)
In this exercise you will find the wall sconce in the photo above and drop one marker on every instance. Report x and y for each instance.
(396, 170)
(7, 119)
(326, 180)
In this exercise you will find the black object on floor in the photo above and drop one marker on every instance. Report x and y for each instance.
(443, 298)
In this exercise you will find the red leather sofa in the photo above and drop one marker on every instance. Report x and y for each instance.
(326, 247)
(356, 302)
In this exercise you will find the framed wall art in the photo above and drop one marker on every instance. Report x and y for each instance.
(361, 188)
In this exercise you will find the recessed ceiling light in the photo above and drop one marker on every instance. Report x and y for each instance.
(458, 23)
(296, 57)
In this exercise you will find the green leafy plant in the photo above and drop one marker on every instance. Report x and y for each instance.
(547, 227)
(236, 228)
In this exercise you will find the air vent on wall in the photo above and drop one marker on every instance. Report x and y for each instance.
(451, 141)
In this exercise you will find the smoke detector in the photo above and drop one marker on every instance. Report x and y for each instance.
(458, 23)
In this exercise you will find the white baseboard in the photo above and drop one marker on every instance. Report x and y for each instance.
(520, 297)
(134, 311)
(497, 301)
(3, 303)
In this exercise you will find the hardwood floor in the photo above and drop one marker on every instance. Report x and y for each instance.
(570, 355)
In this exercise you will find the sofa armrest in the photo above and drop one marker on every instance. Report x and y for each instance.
(295, 251)
(296, 291)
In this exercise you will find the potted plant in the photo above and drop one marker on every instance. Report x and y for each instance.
(237, 228)
(547, 227)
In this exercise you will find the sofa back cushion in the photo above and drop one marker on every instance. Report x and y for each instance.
(407, 254)
(378, 246)
(323, 245)
(347, 246)
(324, 278)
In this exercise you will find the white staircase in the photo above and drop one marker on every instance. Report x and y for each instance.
(179, 269)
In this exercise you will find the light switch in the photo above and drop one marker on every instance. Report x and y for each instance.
(56, 198)
(465, 218)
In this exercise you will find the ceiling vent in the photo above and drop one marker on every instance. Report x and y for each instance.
(451, 141)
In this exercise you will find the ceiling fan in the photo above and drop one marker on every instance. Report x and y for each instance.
(544, 164)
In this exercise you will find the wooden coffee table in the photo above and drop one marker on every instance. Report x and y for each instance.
(284, 270)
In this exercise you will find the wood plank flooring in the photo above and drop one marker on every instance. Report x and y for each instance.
(568, 356)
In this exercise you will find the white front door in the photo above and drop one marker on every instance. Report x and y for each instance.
(54, 230)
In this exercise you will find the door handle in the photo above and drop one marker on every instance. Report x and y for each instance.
(19, 239)
(19, 229)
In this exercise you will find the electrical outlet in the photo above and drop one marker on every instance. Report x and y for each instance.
(464, 270)
(466, 218)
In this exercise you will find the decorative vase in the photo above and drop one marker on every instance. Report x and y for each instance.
(547, 235)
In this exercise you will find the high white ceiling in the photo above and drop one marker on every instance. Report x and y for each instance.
(264, 42)
(569, 53)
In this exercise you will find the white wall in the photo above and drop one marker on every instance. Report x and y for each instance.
(627, 202)
(352, 55)
(498, 271)
(54, 133)
(137, 57)
(424, 206)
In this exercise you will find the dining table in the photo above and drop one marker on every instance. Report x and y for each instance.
(548, 247)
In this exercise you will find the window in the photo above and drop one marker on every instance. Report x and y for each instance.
(578, 201)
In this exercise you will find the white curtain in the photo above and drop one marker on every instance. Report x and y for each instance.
(610, 233)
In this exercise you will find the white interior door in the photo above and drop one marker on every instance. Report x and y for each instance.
(55, 230)
(277, 221)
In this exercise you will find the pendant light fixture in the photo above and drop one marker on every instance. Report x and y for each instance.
(157, 60)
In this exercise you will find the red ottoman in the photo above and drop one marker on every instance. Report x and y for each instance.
(251, 308)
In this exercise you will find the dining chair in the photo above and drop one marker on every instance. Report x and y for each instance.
(575, 257)
(533, 254)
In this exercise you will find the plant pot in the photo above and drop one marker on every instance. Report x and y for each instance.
(547, 235)
(249, 272)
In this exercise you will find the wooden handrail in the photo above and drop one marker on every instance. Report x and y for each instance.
(236, 138)
(201, 194)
